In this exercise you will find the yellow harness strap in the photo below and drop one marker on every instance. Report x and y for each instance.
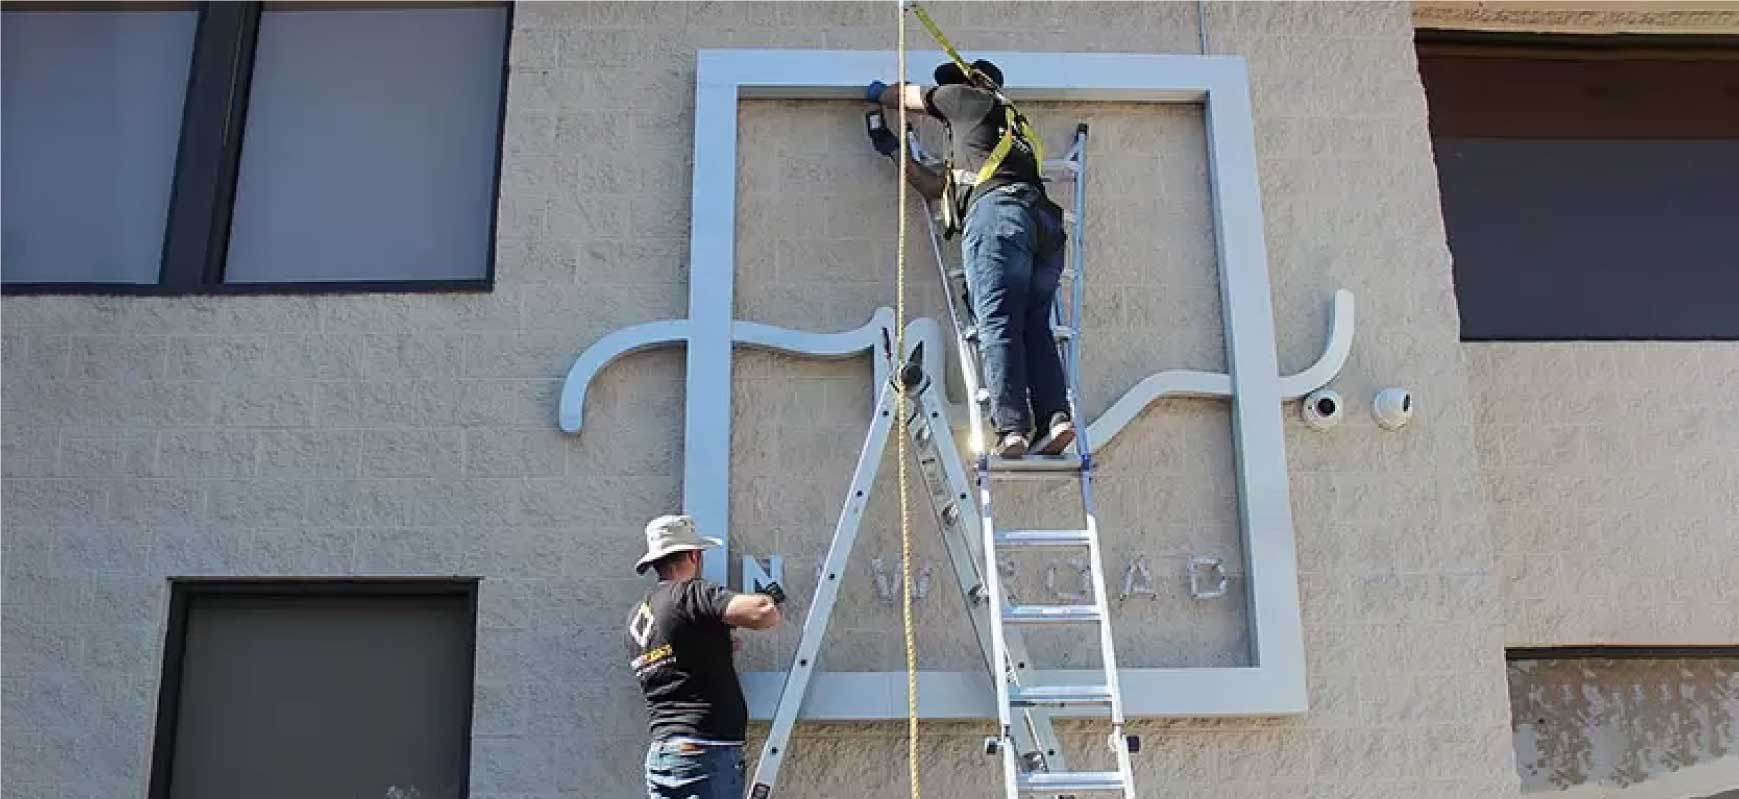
(1014, 122)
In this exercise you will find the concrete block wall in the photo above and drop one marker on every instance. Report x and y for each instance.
(413, 434)
(1613, 472)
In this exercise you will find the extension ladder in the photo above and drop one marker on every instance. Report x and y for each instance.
(1012, 692)
(1033, 761)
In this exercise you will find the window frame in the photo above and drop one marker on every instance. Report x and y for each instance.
(1430, 42)
(1622, 652)
(182, 592)
(208, 161)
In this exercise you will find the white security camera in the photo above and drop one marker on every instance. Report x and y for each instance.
(1322, 409)
(1393, 408)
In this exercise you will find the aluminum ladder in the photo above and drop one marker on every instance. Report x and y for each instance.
(1022, 773)
(1034, 763)
(943, 472)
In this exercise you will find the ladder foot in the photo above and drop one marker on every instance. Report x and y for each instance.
(992, 745)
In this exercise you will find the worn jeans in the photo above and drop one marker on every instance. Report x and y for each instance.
(1013, 254)
(677, 770)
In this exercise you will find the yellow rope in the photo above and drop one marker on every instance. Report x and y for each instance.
(900, 410)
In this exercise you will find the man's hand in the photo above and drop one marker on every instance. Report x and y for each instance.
(880, 136)
(753, 611)
(873, 92)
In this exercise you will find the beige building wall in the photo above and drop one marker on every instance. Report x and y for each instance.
(414, 434)
(1613, 473)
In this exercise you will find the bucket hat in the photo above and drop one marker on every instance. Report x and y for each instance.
(670, 534)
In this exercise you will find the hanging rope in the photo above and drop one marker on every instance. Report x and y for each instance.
(900, 419)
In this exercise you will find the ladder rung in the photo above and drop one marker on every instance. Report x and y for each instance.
(1043, 695)
(1061, 165)
(1043, 538)
(1052, 464)
(1069, 781)
(1049, 614)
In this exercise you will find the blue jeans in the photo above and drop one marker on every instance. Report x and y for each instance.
(1013, 254)
(676, 770)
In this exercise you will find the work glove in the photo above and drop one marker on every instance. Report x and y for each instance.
(774, 592)
(881, 138)
(873, 92)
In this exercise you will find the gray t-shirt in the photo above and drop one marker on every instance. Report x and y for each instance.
(975, 120)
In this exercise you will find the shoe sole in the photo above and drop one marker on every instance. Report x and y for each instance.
(1013, 451)
(1055, 444)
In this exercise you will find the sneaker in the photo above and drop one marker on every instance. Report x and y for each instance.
(1011, 445)
(1061, 435)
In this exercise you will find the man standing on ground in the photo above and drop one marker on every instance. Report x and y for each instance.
(1012, 249)
(679, 645)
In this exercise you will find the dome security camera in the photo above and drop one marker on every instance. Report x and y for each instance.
(1393, 408)
(1322, 409)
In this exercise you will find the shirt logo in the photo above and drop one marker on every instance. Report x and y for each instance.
(640, 627)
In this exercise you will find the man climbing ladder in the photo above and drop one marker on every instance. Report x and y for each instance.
(1012, 245)
(1014, 258)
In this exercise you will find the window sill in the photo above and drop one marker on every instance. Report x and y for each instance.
(477, 285)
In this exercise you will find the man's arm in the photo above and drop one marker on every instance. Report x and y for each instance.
(753, 611)
(912, 93)
(927, 181)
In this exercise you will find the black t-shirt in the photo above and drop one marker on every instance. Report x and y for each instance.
(975, 120)
(680, 650)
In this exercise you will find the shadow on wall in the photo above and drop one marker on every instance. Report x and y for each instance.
(1634, 728)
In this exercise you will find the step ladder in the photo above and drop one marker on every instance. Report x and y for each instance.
(1032, 759)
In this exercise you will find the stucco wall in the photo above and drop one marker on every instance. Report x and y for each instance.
(413, 434)
(1612, 470)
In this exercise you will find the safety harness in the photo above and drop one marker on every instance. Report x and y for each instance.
(957, 184)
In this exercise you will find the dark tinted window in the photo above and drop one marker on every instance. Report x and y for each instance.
(317, 690)
(1589, 193)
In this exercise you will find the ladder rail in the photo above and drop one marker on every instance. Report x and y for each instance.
(1083, 448)
(993, 582)
(954, 298)
(1077, 286)
(1107, 646)
(796, 685)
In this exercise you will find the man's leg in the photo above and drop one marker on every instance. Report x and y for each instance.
(733, 772)
(1045, 380)
(996, 251)
(1044, 366)
(691, 771)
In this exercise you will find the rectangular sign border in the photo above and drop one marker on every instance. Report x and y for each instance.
(1276, 684)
